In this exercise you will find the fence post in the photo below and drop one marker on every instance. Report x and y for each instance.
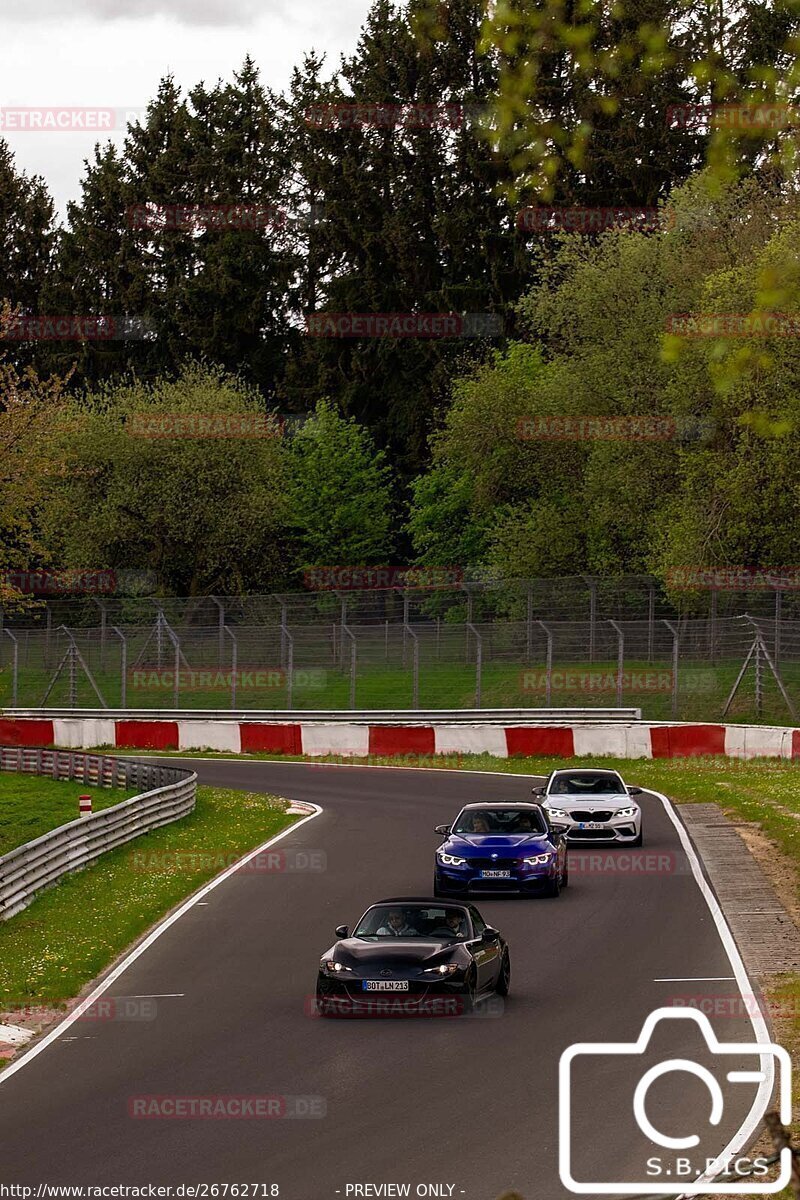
(101, 604)
(353, 656)
(220, 630)
(123, 666)
(675, 655)
(234, 663)
(289, 666)
(414, 666)
(713, 628)
(592, 613)
(478, 664)
(14, 667)
(620, 659)
(529, 635)
(776, 650)
(406, 603)
(651, 623)
(549, 665)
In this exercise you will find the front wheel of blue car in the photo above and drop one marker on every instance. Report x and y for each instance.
(438, 890)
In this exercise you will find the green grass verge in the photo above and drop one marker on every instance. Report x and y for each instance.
(31, 805)
(73, 931)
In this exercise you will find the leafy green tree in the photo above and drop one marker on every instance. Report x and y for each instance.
(144, 484)
(341, 493)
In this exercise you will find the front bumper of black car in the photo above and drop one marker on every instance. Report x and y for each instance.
(439, 997)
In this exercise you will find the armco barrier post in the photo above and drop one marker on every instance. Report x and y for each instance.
(85, 805)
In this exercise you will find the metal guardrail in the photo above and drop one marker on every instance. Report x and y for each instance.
(295, 716)
(28, 869)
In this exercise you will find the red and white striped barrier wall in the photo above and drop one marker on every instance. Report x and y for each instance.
(359, 740)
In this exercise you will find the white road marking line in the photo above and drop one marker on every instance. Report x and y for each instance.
(155, 996)
(752, 1122)
(131, 958)
(694, 979)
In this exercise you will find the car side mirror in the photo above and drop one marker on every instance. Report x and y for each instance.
(442, 829)
(634, 791)
(537, 791)
(342, 931)
(490, 935)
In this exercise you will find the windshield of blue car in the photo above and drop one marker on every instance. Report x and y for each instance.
(389, 921)
(586, 783)
(499, 820)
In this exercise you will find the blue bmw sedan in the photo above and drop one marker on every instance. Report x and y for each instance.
(497, 847)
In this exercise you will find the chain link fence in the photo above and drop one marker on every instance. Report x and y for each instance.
(672, 667)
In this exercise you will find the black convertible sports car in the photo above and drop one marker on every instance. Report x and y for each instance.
(409, 956)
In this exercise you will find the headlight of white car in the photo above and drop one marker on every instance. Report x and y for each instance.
(626, 812)
(558, 812)
(450, 860)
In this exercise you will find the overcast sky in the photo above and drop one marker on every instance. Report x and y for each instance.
(112, 53)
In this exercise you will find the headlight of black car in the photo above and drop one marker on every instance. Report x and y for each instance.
(442, 969)
(329, 966)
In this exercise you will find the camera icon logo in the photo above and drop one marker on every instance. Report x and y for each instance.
(687, 1175)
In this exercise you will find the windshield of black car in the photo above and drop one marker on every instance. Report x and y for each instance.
(424, 921)
(499, 820)
(586, 783)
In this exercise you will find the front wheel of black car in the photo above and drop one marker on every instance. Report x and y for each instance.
(470, 992)
(504, 978)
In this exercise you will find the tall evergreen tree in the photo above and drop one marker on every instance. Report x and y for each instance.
(26, 234)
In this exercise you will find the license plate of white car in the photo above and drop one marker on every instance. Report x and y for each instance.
(495, 874)
(384, 985)
(591, 825)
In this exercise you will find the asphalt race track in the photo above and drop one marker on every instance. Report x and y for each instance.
(470, 1104)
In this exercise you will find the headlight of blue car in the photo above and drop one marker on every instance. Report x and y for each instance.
(450, 860)
(539, 860)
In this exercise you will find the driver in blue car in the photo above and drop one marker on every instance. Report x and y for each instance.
(397, 926)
